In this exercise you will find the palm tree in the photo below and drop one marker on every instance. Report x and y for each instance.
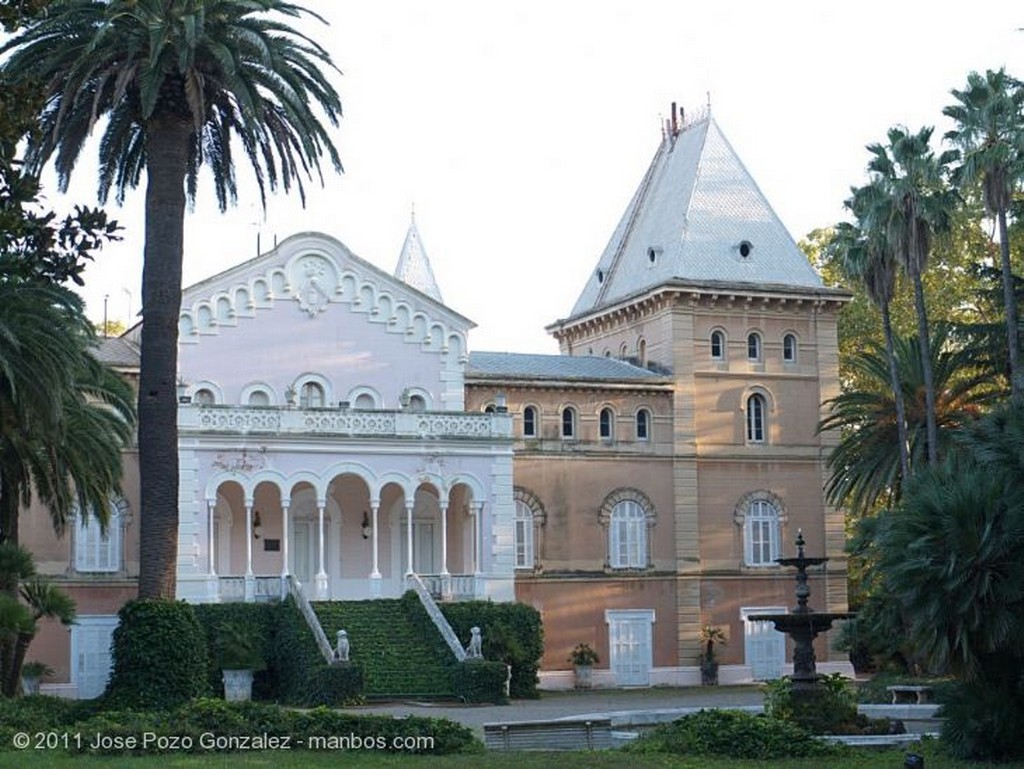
(177, 82)
(864, 466)
(64, 417)
(990, 139)
(908, 196)
(865, 256)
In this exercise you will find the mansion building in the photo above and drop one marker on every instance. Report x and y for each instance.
(336, 426)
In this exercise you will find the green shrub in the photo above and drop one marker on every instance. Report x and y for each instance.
(512, 633)
(205, 725)
(335, 685)
(733, 734)
(824, 710)
(255, 621)
(160, 656)
(984, 720)
(480, 681)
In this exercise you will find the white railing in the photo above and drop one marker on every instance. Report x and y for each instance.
(450, 587)
(231, 589)
(437, 617)
(247, 419)
(295, 590)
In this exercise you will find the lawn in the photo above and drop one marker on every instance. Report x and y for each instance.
(495, 760)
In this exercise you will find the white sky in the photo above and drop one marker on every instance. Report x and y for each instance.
(520, 130)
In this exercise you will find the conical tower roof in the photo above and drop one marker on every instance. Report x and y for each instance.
(697, 216)
(414, 266)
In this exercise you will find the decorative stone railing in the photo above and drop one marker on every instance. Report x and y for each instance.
(450, 587)
(251, 419)
(326, 650)
(436, 616)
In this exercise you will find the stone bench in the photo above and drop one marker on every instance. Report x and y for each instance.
(921, 695)
(566, 734)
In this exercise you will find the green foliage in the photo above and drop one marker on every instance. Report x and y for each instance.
(252, 626)
(480, 681)
(830, 706)
(512, 633)
(874, 690)
(160, 656)
(205, 725)
(395, 643)
(583, 655)
(733, 734)
(335, 685)
(984, 720)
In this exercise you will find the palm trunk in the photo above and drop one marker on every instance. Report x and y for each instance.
(167, 144)
(1010, 303)
(931, 426)
(897, 394)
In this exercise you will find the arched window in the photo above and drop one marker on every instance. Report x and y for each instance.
(568, 422)
(529, 422)
(641, 352)
(365, 402)
(205, 397)
(259, 398)
(311, 396)
(761, 533)
(757, 409)
(627, 536)
(753, 346)
(789, 348)
(623, 351)
(524, 535)
(417, 403)
(489, 409)
(96, 551)
(606, 421)
(717, 345)
(643, 425)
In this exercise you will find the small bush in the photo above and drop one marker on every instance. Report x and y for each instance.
(160, 656)
(258, 622)
(481, 681)
(336, 685)
(512, 633)
(984, 721)
(828, 709)
(733, 734)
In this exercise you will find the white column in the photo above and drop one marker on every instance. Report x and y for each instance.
(284, 539)
(408, 531)
(250, 580)
(210, 543)
(321, 573)
(444, 538)
(478, 510)
(375, 577)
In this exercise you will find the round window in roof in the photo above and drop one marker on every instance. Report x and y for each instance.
(600, 276)
(652, 255)
(745, 248)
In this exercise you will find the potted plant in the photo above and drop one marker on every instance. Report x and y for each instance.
(239, 656)
(583, 659)
(31, 674)
(709, 636)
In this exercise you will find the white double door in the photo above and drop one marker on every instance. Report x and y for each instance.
(630, 646)
(90, 654)
(764, 648)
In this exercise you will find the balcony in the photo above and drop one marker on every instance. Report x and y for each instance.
(251, 420)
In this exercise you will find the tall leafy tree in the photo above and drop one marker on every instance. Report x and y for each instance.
(865, 464)
(910, 198)
(866, 256)
(989, 137)
(180, 84)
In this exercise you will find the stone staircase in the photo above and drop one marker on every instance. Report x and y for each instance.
(394, 641)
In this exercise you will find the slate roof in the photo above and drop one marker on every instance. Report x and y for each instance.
(118, 352)
(510, 365)
(414, 266)
(694, 209)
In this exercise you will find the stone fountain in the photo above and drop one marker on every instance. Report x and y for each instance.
(803, 624)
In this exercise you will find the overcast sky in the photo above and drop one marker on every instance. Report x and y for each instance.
(521, 129)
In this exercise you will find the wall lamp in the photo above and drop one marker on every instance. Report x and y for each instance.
(366, 525)
(257, 525)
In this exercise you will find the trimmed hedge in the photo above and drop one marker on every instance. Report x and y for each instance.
(512, 634)
(303, 677)
(160, 656)
(733, 734)
(258, 620)
(480, 681)
(207, 725)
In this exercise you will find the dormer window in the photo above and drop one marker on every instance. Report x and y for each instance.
(745, 248)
